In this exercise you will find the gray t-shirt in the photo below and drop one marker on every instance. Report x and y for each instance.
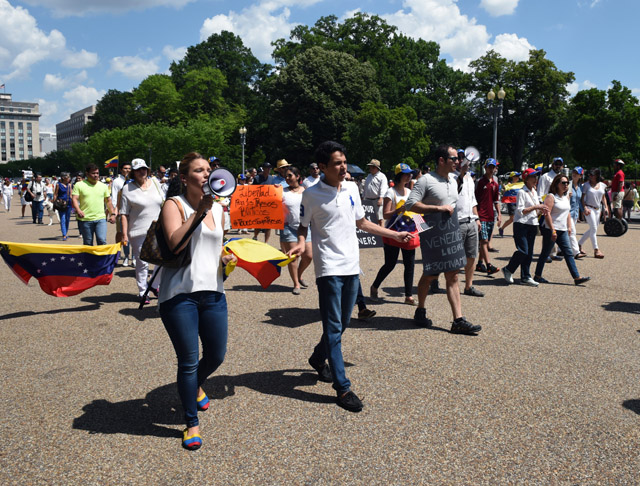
(434, 190)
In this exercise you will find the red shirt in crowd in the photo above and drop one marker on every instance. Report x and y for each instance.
(617, 185)
(487, 193)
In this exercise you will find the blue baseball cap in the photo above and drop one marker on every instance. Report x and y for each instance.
(490, 161)
(558, 159)
(404, 168)
(579, 170)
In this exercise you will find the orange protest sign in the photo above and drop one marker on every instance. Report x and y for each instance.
(257, 206)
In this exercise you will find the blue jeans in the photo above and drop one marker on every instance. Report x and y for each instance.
(524, 236)
(186, 316)
(337, 296)
(564, 244)
(37, 211)
(89, 228)
(65, 216)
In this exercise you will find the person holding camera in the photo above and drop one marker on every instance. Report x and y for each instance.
(36, 191)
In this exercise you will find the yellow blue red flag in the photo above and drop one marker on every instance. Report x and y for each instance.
(61, 270)
(262, 261)
(538, 166)
(511, 192)
(112, 162)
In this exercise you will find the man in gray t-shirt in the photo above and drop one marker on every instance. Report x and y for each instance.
(435, 196)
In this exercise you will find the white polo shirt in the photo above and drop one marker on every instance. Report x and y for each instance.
(332, 215)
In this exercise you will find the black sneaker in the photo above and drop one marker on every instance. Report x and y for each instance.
(540, 279)
(481, 268)
(420, 318)
(324, 373)
(434, 288)
(365, 314)
(492, 269)
(473, 292)
(462, 326)
(350, 401)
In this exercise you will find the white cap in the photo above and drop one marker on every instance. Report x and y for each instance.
(138, 164)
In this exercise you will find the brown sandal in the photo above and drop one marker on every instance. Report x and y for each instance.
(598, 254)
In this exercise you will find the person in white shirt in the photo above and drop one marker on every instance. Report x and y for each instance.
(314, 176)
(525, 229)
(37, 190)
(375, 187)
(544, 183)
(140, 204)
(333, 208)
(468, 221)
(116, 186)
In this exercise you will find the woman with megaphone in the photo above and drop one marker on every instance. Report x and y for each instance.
(192, 300)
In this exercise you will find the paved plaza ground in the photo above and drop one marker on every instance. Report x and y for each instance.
(548, 393)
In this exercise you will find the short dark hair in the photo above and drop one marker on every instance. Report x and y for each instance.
(596, 172)
(442, 151)
(91, 167)
(122, 164)
(325, 149)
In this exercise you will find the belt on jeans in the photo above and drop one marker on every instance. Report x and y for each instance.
(465, 220)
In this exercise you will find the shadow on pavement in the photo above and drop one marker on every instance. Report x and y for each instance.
(16, 315)
(292, 317)
(633, 405)
(258, 288)
(115, 298)
(630, 307)
(161, 407)
(391, 324)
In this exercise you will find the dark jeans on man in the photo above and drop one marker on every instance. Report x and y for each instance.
(564, 244)
(337, 296)
(524, 236)
(37, 210)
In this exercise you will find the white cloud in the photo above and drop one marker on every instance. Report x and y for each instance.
(586, 84)
(258, 25)
(134, 67)
(574, 87)
(82, 96)
(24, 44)
(174, 53)
(54, 82)
(497, 8)
(80, 60)
(64, 8)
(512, 47)
(49, 112)
(459, 36)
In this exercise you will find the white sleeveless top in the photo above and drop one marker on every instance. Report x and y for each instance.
(205, 270)
(560, 212)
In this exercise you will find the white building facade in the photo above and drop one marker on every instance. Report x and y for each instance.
(19, 129)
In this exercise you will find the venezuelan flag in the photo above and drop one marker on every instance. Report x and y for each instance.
(61, 270)
(511, 192)
(538, 166)
(112, 162)
(262, 261)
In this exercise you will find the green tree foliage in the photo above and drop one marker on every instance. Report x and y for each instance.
(226, 52)
(202, 92)
(605, 125)
(392, 135)
(315, 98)
(116, 109)
(536, 99)
(157, 100)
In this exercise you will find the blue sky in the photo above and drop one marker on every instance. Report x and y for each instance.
(65, 54)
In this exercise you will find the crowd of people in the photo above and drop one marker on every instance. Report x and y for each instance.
(324, 211)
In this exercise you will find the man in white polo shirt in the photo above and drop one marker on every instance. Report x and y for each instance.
(333, 209)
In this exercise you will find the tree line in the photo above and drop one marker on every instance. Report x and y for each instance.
(383, 94)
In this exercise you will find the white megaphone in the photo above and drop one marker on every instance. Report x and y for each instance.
(471, 155)
(221, 183)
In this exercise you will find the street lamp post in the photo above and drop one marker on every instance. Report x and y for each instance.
(496, 111)
(243, 140)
